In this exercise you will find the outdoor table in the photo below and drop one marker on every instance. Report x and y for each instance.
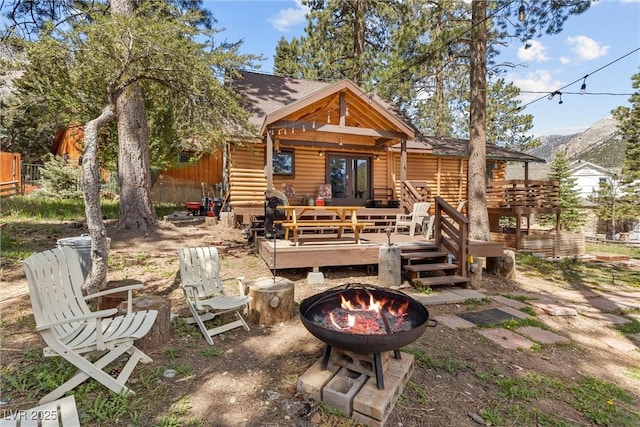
(346, 216)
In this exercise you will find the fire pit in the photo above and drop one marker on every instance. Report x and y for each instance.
(364, 319)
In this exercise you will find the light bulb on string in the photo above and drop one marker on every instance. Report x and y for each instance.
(583, 87)
(560, 95)
(521, 13)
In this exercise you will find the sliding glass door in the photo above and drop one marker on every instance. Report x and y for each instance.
(350, 178)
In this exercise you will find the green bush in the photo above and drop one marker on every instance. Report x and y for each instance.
(60, 178)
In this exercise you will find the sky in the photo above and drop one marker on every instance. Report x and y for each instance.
(602, 43)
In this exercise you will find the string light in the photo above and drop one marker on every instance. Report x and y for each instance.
(521, 15)
(583, 88)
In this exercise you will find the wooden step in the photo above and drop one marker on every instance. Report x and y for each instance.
(424, 255)
(409, 247)
(437, 266)
(441, 280)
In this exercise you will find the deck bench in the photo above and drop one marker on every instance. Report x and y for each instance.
(294, 226)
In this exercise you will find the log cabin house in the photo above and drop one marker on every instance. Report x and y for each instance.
(336, 135)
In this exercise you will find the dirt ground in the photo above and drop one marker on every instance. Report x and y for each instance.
(251, 381)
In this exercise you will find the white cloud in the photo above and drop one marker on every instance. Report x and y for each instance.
(538, 81)
(564, 60)
(586, 48)
(532, 51)
(289, 17)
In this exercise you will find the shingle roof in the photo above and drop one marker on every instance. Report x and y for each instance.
(265, 94)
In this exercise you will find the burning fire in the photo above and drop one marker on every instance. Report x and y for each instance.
(377, 316)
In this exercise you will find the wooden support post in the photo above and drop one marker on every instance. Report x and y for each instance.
(268, 168)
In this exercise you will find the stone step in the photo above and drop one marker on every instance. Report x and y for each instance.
(441, 280)
(437, 266)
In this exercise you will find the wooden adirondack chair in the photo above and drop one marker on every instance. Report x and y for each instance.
(204, 293)
(420, 210)
(59, 413)
(71, 330)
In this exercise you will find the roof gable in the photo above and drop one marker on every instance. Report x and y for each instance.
(284, 102)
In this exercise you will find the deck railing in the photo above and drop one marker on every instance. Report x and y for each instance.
(523, 193)
(414, 192)
(451, 230)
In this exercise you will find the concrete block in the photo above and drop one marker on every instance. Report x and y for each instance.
(506, 339)
(358, 362)
(339, 392)
(315, 278)
(311, 383)
(516, 313)
(454, 322)
(542, 336)
(509, 302)
(378, 404)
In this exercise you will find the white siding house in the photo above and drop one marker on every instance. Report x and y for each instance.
(588, 177)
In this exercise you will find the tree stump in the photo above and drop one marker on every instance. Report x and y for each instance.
(160, 332)
(273, 301)
(228, 219)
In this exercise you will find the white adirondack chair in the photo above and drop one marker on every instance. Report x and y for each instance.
(59, 413)
(204, 293)
(420, 210)
(71, 330)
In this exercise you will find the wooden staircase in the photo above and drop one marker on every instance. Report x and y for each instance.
(445, 262)
(428, 266)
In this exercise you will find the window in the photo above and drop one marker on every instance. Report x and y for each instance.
(602, 180)
(283, 163)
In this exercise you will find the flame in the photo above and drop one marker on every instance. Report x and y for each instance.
(351, 321)
(358, 303)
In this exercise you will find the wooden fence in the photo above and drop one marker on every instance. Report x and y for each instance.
(9, 174)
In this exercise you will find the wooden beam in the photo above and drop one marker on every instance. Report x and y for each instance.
(349, 130)
(329, 145)
(343, 110)
(268, 168)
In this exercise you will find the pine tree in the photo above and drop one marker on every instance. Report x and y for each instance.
(629, 127)
(568, 194)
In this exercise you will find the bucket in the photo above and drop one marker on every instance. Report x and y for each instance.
(319, 201)
(82, 245)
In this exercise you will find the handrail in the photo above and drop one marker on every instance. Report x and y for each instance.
(451, 230)
(410, 194)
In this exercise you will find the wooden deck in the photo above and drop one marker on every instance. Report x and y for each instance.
(324, 250)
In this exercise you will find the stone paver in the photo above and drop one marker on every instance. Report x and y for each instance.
(454, 322)
(605, 304)
(608, 318)
(450, 297)
(512, 311)
(469, 293)
(508, 301)
(619, 344)
(581, 295)
(506, 338)
(542, 336)
(555, 309)
(423, 299)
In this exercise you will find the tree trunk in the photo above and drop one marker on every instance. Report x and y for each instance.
(476, 172)
(134, 170)
(97, 278)
(134, 167)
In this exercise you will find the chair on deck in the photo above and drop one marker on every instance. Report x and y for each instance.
(204, 293)
(71, 330)
(420, 210)
(289, 190)
(324, 191)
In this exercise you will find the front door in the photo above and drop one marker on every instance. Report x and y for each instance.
(350, 179)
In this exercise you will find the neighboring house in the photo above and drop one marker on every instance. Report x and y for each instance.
(588, 177)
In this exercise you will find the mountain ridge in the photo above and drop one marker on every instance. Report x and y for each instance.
(600, 144)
